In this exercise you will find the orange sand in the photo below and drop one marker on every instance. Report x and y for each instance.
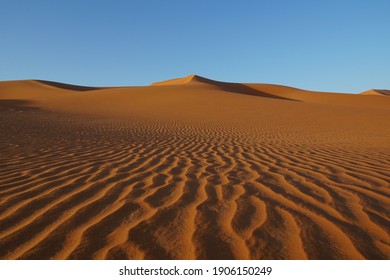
(193, 168)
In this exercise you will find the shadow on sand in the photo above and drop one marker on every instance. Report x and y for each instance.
(68, 86)
(20, 105)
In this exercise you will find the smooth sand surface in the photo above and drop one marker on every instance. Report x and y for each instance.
(192, 169)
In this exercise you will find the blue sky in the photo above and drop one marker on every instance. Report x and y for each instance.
(328, 45)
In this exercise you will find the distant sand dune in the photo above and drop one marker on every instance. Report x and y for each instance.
(194, 80)
(192, 169)
(377, 92)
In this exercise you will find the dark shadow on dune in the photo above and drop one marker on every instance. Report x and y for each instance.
(384, 92)
(69, 86)
(244, 89)
(17, 105)
(240, 88)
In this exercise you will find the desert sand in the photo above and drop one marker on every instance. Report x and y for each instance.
(193, 168)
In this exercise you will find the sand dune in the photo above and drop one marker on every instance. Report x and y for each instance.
(380, 92)
(192, 168)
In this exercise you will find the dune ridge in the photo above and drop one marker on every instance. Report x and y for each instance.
(68, 86)
(192, 78)
(192, 169)
(380, 92)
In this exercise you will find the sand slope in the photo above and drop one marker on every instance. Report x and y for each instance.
(192, 168)
(380, 92)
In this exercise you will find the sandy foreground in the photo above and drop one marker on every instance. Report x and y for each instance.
(193, 169)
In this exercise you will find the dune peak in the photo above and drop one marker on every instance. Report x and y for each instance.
(379, 92)
(181, 81)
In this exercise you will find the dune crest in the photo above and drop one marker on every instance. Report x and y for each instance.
(184, 80)
(379, 92)
(68, 86)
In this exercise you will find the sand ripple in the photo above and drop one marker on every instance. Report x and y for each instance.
(107, 189)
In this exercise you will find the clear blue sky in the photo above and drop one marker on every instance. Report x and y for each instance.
(329, 45)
